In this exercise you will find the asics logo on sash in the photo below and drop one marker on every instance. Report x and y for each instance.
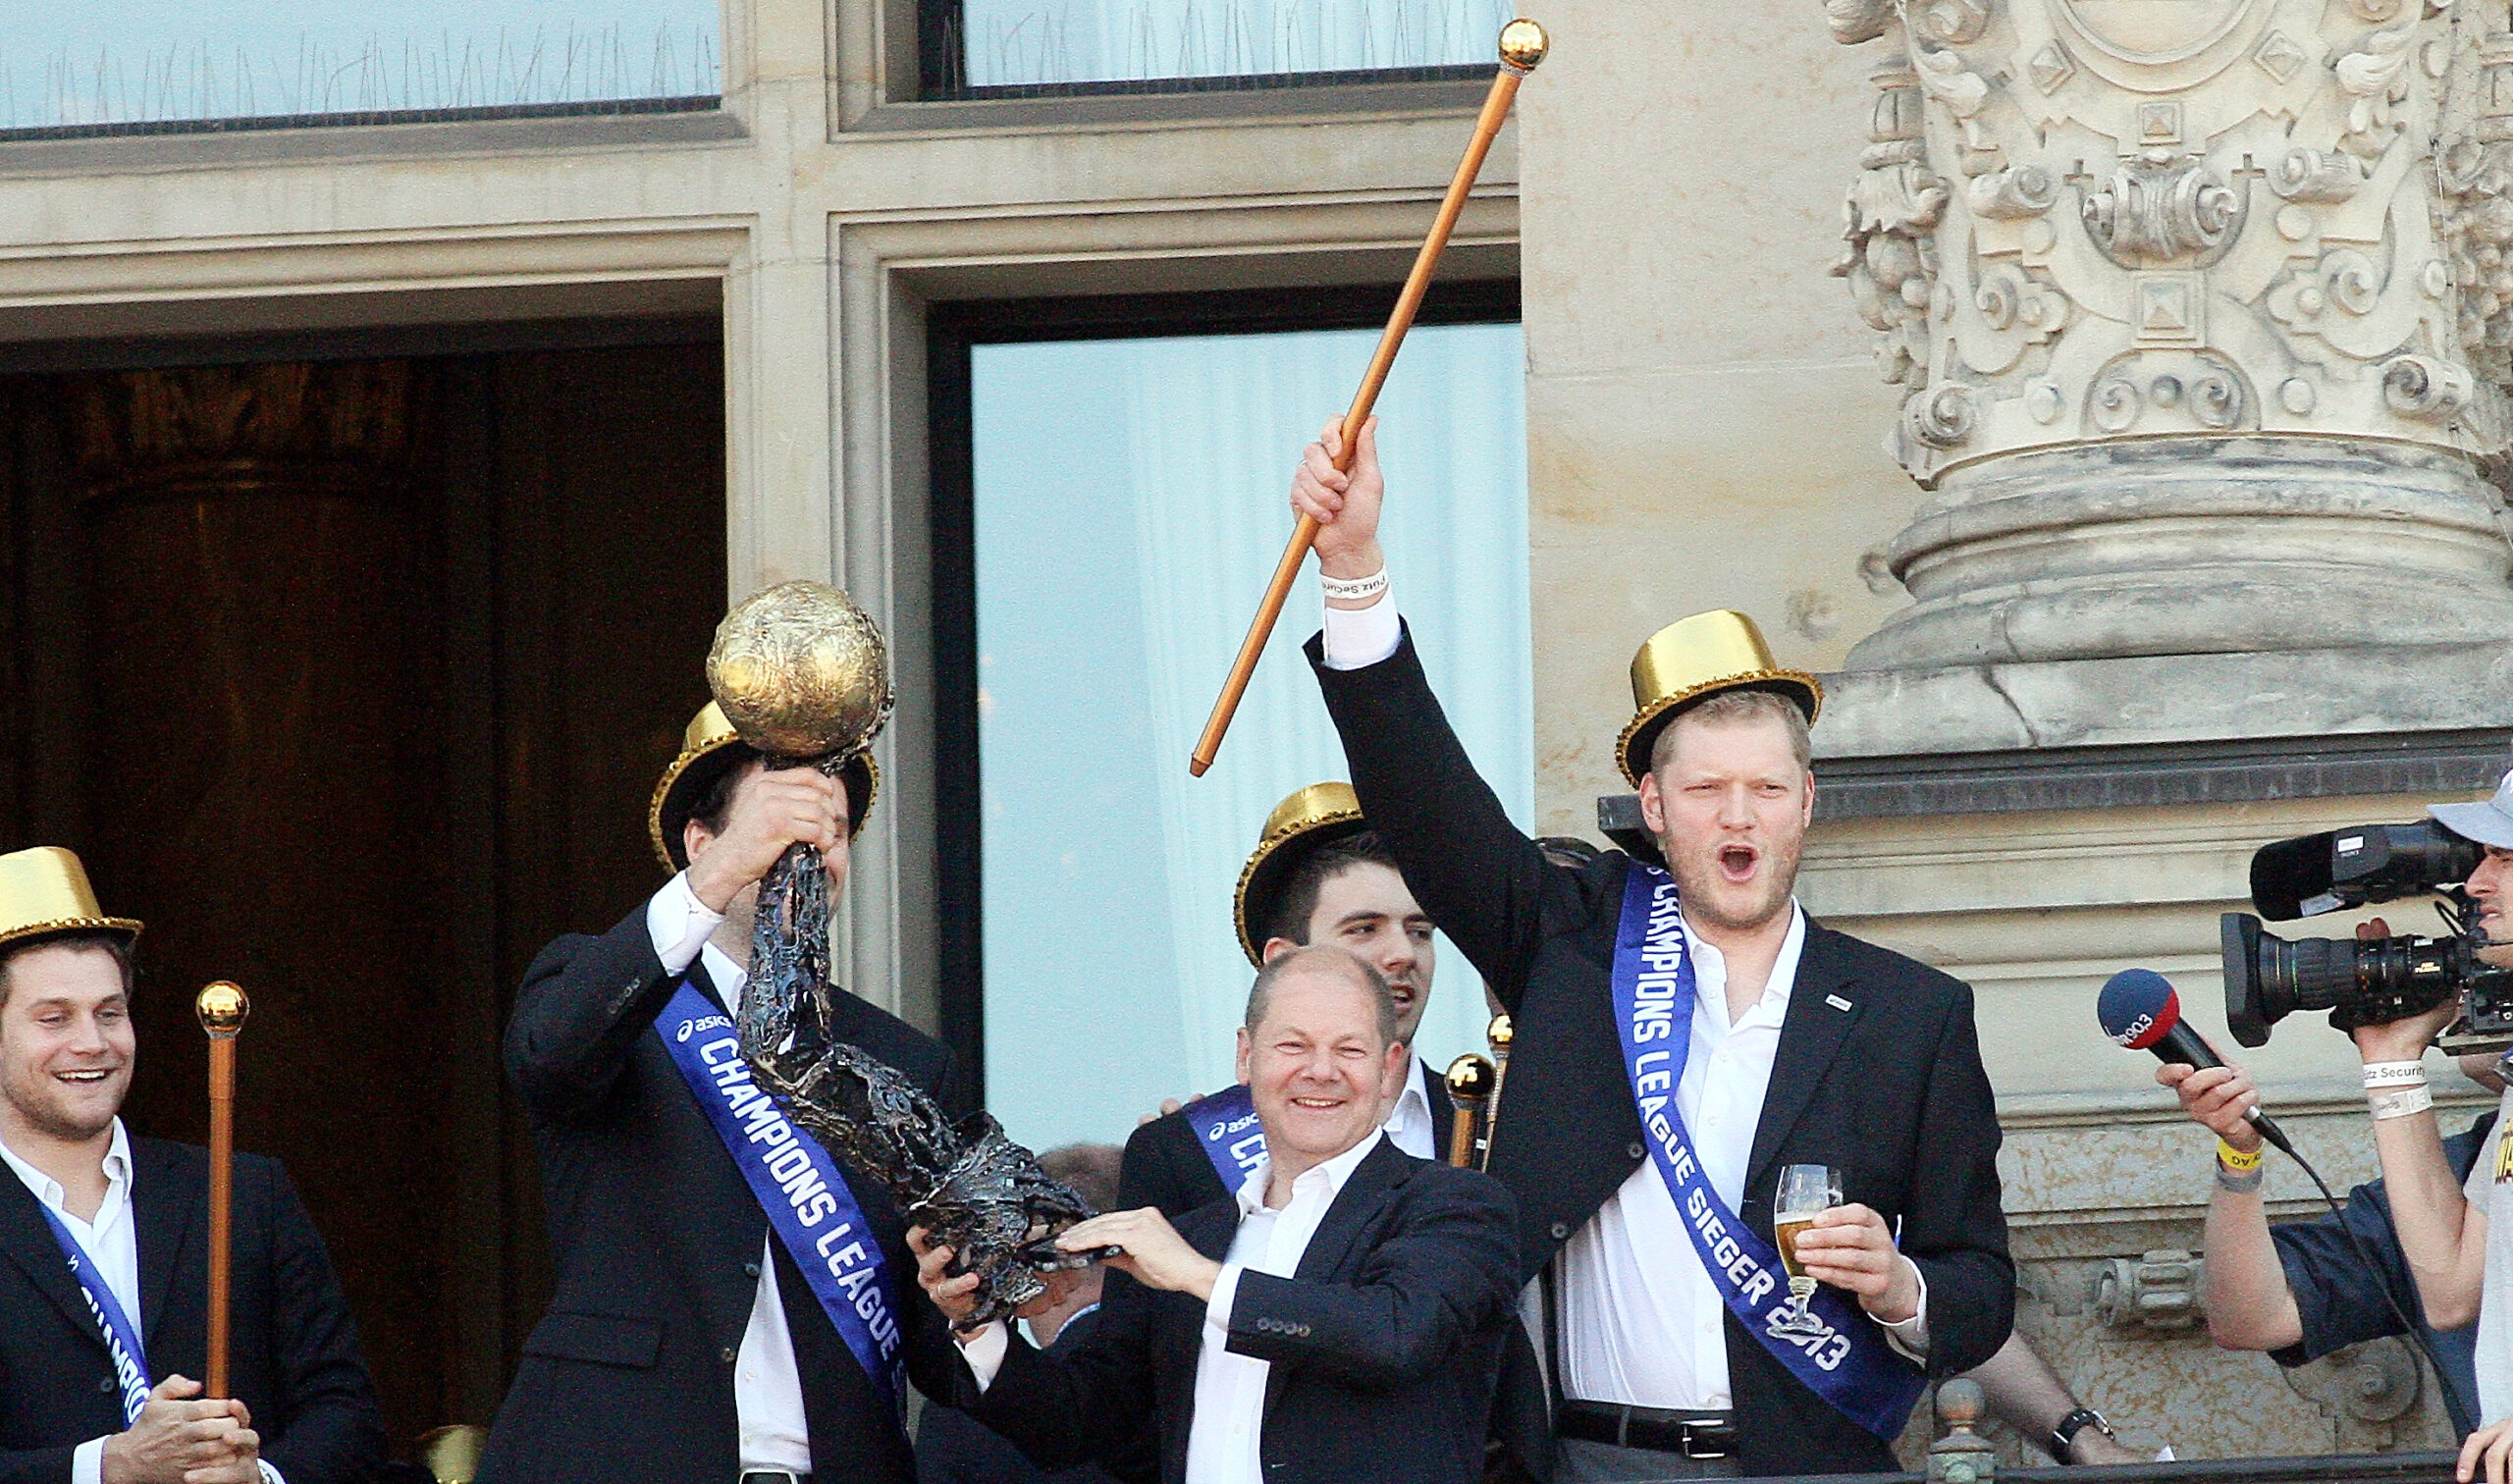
(1227, 1131)
(798, 1185)
(1845, 1361)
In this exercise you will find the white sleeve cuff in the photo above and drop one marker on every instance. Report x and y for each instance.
(679, 923)
(1361, 637)
(270, 1471)
(1910, 1336)
(1225, 1292)
(87, 1462)
(985, 1351)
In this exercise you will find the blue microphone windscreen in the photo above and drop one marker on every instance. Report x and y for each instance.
(2138, 1007)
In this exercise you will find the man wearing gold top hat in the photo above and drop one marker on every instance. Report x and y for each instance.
(1319, 875)
(104, 1254)
(682, 1342)
(1694, 1031)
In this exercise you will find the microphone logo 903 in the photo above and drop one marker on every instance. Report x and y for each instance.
(2130, 1034)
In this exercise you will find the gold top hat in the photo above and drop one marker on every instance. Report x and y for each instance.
(709, 748)
(1309, 817)
(44, 891)
(1695, 658)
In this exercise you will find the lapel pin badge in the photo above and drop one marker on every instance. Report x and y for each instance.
(1837, 1002)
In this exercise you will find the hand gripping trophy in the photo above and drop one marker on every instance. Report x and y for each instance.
(803, 675)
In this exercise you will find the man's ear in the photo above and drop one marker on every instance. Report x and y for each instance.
(1653, 805)
(1394, 1068)
(1274, 948)
(1246, 1045)
(694, 840)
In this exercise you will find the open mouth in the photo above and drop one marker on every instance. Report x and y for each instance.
(96, 1075)
(1737, 862)
(1318, 1104)
(1403, 994)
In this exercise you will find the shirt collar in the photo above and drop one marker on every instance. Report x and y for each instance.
(728, 978)
(48, 1190)
(1327, 1176)
(1784, 968)
(1417, 1093)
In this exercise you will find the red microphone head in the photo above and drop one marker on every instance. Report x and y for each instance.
(2138, 1008)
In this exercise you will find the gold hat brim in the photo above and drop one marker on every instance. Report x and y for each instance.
(128, 928)
(1283, 847)
(1641, 734)
(690, 774)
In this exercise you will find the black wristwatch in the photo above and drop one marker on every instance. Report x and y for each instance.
(2064, 1432)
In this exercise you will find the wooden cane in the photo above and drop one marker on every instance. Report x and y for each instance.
(1499, 1034)
(222, 1008)
(1470, 1083)
(1523, 45)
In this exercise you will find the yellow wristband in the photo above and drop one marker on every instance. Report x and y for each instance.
(2235, 1159)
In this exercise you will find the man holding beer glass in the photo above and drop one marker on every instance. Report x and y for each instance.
(1683, 1035)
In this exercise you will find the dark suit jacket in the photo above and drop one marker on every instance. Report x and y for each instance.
(2342, 1303)
(656, 1238)
(954, 1448)
(292, 1355)
(1166, 1163)
(1382, 1343)
(1889, 1090)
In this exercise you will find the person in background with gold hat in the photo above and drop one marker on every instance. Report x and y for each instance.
(104, 1296)
(683, 1340)
(1683, 1036)
(1319, 875)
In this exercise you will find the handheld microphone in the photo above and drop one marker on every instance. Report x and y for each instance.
(2139, 1010)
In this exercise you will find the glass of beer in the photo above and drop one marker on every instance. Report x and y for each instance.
(1804, 1192)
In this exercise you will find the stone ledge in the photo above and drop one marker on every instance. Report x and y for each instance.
(2013, 780)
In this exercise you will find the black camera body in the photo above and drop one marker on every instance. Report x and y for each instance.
(2371, 981)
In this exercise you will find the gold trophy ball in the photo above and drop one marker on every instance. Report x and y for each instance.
(1498, 1033)
(1522, 44)
(1470, 1079)
(802, 673)
(222, 1008)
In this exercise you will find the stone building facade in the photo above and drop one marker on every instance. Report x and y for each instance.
(2166, 532)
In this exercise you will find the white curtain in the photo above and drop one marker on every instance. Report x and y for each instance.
(1018, 41)
(1131, 503)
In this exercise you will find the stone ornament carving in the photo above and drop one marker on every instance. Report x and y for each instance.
(2202, 312)
(2246, 178)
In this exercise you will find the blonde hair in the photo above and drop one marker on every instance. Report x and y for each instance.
(1726, 709)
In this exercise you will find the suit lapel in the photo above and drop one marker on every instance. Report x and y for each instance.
(1380, 1169)
(28, 1238)
(1436, 1095)
(1819, 1019)
(166, 1201)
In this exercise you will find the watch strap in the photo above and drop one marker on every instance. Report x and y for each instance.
(2065, 1431)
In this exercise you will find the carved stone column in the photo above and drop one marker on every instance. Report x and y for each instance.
(2202, 310)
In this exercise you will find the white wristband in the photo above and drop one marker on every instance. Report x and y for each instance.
(2398, 1074)
(1359, 589)
(2404, 1104)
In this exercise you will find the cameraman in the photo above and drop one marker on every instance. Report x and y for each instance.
(2445, 1223)
(2302, 1288)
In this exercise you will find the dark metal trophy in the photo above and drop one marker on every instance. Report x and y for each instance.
(803, 674)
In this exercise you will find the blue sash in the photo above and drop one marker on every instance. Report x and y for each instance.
(1847, 1361)
(1226, 1128)
(799, 1187)
(122, 1337)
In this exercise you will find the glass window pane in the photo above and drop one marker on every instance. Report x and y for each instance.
(174, 61)
(1015, 42)
(1129, 501)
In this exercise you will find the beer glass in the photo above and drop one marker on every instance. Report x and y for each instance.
(1804, 1192)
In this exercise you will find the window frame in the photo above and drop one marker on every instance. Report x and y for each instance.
(953, 329)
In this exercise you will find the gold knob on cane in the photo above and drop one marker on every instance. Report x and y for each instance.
(1498, 1033)
(1523, 45)
(1470, 1079)
(222, 1008)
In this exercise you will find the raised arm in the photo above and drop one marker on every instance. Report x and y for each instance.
(1487, 885)
(2443, 1235)
(2250, 1305)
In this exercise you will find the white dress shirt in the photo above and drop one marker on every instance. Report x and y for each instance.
(111, 1242)
(1641, 1323)
(1409, 1123)
(1226, 1435)
(767, 1387)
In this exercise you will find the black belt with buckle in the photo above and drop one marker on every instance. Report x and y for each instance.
(1693, 1434)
